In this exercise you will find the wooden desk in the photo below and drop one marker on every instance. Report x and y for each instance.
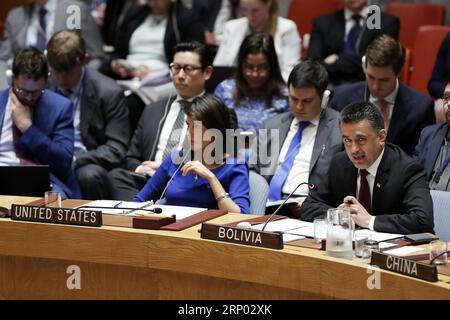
(123, 263)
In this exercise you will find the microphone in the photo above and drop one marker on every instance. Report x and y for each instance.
(180, 153)
(311, 187)
(154, 210)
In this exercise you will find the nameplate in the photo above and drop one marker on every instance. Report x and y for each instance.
(404, 266)
(79, 217)
(248, 237)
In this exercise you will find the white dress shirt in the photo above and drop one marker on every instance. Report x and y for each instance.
(350, 22)
(390, 101)
(7, 154)
(34, 27)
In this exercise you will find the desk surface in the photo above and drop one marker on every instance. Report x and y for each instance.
(126, 263)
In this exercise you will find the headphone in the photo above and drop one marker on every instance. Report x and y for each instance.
(325, 99)
(363, 63)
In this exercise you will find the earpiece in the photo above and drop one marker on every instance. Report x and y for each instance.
(325, 99)
(363, 63)
(9, 77)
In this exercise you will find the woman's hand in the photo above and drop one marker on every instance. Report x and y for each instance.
(198, 168)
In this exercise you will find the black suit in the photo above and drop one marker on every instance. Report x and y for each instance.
(327, 37)
(104, 128)
(401, 199)
(412, 112)
(144, 145)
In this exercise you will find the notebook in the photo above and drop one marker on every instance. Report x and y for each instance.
(29, 180)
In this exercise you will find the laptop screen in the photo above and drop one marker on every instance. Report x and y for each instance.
(30, 180)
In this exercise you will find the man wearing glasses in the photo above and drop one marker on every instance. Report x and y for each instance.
(162, 126)
(433, 149)
(36, 125)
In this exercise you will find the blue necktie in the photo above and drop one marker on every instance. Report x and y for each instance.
(352, 37)
(41, 36)
(277, 182)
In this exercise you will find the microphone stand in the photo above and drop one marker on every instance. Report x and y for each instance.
(311, 186)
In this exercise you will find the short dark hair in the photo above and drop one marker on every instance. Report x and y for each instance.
(65, 50)
(255, 43)
(30, 62)
(358, 111)
(197, 47)
(309, 74)
(212, 112)
(385, 51)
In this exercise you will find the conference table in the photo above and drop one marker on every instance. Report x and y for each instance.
(37, 261)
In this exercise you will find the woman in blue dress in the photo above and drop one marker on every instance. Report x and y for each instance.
(258, 90)
(206, 175)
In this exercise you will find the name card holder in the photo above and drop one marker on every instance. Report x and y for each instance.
(404, 266)
(69, 216)
(248, 237)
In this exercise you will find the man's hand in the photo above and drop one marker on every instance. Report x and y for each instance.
(20, 113)
(359, 214)
(332, 58)
(148, 167)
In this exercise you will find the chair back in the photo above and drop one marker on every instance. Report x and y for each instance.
(441, 209)
(259, 191)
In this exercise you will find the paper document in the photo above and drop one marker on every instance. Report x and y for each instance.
(279, 202)
(117, 207)
(403, 250)
(282, 225)
(379, 236)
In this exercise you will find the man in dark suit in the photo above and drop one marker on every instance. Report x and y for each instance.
(405, 111)
(26, 27)
(162, 126)
(308, 160)
(384, 189)
(101, 120)
(340, 39)
(37, 124)
(433, 149)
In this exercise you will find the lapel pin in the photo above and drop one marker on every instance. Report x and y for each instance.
(378, 185)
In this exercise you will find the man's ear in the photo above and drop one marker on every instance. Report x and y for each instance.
(208, 72)
(382, 135)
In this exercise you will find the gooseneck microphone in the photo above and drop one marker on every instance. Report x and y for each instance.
(311, 187)
(180, 153)
(154, 210)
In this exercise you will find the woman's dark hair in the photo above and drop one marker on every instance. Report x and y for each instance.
(212, 113)
(253, 44)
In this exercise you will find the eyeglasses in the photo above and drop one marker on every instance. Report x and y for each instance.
(23, 93)
(187, 69)
(446, 98)
(260, 69)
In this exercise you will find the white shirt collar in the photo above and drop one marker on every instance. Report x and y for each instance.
(50, 6)
(348, 14)
(390, 98)
(374, 167)
(190, 99)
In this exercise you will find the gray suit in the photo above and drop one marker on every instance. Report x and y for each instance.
(19, 19)
(327, 143)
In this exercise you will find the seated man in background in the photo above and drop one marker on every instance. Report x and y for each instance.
(308, 136)
(384, 189)
(37, 124)
(405, 111)
(433, 149)
(101, 119)
(162, 126)
(340, 39)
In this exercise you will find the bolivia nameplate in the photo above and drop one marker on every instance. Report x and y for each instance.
(248, 237)
(404, 266)
(56, 215)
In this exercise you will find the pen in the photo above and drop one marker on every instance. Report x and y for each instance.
(118, 204)
(150, 203)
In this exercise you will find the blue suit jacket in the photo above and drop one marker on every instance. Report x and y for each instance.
(430, 142)
(412, 112)
(50, 139)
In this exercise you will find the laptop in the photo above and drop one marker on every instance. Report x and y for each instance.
(20, 180)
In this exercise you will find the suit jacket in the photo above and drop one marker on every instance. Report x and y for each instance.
(104, 122)
(401, 200)
(19, 19)
(412, 112)
(146, 137)
(286, 40)
(327, 37)
(327, 143)
(430, 142)
(50, 138)
(188, 21)
(441, 70)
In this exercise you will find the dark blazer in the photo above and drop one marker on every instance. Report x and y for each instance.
(327, 37)
(104, 122)
(189, 27)
(401, 200)
(430, 142)
(146, 137)
(441, 70)
(50, 139)
(327, 143)
(412, 112)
